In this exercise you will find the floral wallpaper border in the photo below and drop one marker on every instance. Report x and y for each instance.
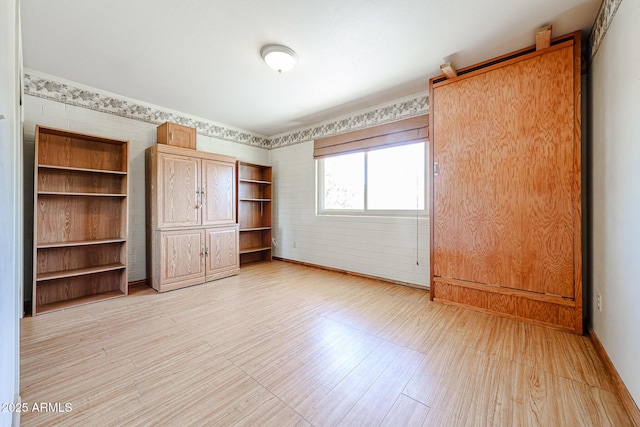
(604, 18)
(391, 113)
(48, 88)
(68, 94)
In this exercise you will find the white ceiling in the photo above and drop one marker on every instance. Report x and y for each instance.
(202, 57)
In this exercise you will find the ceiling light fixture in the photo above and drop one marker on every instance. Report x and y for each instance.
(278, 57)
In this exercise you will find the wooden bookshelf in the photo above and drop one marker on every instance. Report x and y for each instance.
(80, 219)
(254, 212)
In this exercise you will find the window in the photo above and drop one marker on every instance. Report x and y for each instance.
(384, 181)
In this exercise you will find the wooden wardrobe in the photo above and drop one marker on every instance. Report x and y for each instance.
(192, 235)
(506, 227)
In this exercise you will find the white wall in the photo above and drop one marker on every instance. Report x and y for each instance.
(10, 208)
(378, 246)
(140, 136)
(615, 89)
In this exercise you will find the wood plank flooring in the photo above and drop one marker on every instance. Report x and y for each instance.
(288, 345)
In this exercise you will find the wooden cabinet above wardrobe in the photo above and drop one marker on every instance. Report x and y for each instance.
(506, 194)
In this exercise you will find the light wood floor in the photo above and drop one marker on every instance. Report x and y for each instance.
(282, 344)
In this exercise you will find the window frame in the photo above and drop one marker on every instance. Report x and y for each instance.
(397, 213)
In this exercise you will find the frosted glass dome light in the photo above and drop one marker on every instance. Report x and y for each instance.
(278, 57)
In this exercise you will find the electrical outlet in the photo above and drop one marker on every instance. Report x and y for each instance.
(599, 302)
(295, 245)
(275, 242)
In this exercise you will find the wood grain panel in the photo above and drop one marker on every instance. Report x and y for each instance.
(254, 190)
(53, 291)
(222, 244)
(447, 292)
(506, 304)
(79, 218)
(579, 156)
(547, 194)
(254, 214)
(506, 202)
(253, 172)
(547, 313)
(74, 257)
(249, 257)
(561, 314)
(80, 182)
(75, 150)
(503, 204)
(255, 239)
(219, 184)
(474, 297)
(182, 256)
(469, 241)
(178, 191)
(499, 290)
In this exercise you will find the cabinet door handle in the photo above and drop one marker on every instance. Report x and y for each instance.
(170, 136)
(198, 199)
(206, 251)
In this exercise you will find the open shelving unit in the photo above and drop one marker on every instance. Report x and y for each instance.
(80, 219)
(254, 212)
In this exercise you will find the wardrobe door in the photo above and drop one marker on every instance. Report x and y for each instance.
(221, 250)
(476, 213)
(503, 201)
(182, 257)
(219, 193)
(179, 199)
